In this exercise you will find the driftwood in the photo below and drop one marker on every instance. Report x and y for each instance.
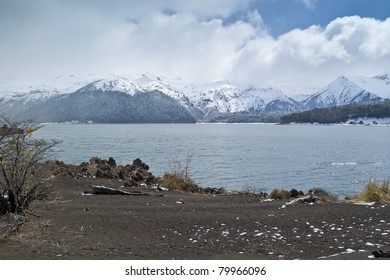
(110, 191)
(303, 199)
(102, 190)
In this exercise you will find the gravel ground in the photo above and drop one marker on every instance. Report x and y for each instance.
(185, 226)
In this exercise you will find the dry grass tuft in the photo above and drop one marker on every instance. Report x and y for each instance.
(175, 182)
(279, 194)
(375, 191)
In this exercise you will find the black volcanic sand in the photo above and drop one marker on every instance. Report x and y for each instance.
(185, 226)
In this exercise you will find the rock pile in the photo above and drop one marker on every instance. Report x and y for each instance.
(135, 175)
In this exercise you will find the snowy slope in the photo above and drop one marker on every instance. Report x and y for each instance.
(342, 91)
(380, 85)
(223, 97)
(145, 83)
(170, 86)
(117, 84)
(112, 99)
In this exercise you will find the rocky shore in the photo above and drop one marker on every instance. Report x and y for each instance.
(77, 223)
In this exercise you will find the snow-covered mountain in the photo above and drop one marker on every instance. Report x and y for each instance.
(223, 97)
(380, 84)
(152, 98)
(114, 99)
(342, 91)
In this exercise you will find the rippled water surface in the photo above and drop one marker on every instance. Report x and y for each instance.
(239, 156)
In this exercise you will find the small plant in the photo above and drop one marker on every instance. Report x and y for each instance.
(20, 153)
(177, 168)
(279, 194)
(176, 182)
(178, 178)
(375, 191)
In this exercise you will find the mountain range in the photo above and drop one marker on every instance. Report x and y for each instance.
(154, 99)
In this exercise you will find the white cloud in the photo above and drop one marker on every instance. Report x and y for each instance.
(188, 40)
(68, 36)
(349, 45)
(309, 4)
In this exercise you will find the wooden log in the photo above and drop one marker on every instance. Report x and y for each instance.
(305, 199)
(111, 191)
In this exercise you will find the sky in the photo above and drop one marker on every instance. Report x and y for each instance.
(291, 43)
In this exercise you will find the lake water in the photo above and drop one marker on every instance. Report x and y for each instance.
(258, 157)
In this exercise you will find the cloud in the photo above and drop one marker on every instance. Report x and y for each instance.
(122, 37)
(349, 45)
(309, 4)
(193, 41)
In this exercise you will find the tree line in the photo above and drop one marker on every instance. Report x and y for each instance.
(340, 114)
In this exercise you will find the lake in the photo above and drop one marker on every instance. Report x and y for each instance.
(256, 157)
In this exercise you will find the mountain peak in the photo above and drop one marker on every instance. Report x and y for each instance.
(383, 77)
(341, 91)
(112, 84)
(342, 79)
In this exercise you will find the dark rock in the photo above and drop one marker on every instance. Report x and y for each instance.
(95, 160)
(104, 167)
(263, 194)
(137, 176)
(381, 254)
(212, 190)
(99, 174)
(294, 193)
(137, 163)
(121, 175)
(130, 184)
(104, 174)
(112, 162)
(310, 199)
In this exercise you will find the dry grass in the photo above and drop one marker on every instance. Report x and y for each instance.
(10, 224)
(176, 182)
(279, 194)
(375, 191)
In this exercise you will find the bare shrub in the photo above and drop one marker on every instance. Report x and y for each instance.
(178, 177)
(20, 153)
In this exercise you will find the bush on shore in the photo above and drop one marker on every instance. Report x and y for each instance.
(375, 191)
(176, 182)
(20, 153)
(279, 194)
